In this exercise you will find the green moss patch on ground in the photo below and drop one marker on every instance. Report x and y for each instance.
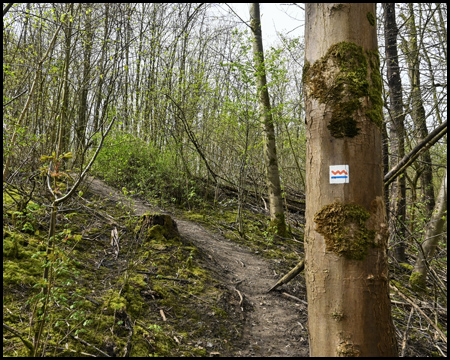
(152, 297)
(108, 302)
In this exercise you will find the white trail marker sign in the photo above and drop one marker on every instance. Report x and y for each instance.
(339, 174)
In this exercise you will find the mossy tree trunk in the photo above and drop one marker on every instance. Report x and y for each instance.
(349, 311)
(278, 223)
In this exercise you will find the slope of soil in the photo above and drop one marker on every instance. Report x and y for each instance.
(274, 325)
(176, 291)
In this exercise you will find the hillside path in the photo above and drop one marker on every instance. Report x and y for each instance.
(274, 325)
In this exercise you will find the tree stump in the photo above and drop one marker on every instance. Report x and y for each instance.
(155, 226)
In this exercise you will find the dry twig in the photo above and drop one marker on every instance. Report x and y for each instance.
(87, 344)
(439, 331)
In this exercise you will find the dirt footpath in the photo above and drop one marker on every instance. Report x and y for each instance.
(274, 326)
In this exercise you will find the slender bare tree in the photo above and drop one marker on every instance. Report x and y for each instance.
(397, 132)
(278, 223)
(433, 233)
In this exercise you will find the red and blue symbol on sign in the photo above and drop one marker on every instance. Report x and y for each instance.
(342, 174)
(339, 174)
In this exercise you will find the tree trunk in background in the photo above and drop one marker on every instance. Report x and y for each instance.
(278, 224)
(12, 142)
(418, 110)
(64, 125)
(433, 232)
(349, 311)
(103, 56)
(397, 133)
(80, 130)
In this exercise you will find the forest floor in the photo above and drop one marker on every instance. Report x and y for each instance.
(196, 288)
(274, 325)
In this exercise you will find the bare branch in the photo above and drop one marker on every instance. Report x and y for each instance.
(6, 9)
(424, 145)
(83, 174)
(243, 21)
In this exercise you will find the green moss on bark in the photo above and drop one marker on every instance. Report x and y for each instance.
(156, 227)
(371, 18)
(347, 79)
(344, 229)
(277, 226)
(418, 282)
(347, 349)
(305, 71)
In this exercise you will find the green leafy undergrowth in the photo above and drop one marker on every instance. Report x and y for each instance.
(127, 161)
(122, 286)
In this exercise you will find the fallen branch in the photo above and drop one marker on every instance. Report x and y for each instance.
(439, 331)
(241, 297)
(190, 294)
(292, 297)
(100, 214)
(240, 262)
(129, 326)
(157, 276)
(87, 344)
(27, 343)
(289, 276)
(115, 241)
(75, 351)
(92, 300)
(161, 311)
(405, 334)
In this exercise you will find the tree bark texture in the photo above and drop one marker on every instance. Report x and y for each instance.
(418, 109)
(397, 133)
(270, 152)
(346, 235)
(64, 125)
(84, 108)
(433, 232)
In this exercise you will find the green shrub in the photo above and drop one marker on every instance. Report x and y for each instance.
(126, 161)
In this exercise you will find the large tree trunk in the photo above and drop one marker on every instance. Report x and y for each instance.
(278, 224)
(349, 311)
(433, 232)
(397, 133)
